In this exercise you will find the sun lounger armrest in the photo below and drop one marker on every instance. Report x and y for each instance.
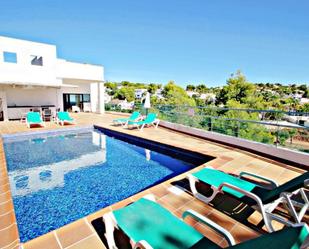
(272, 183)
(142, 244)
(195, 215)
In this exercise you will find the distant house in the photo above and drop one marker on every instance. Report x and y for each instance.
(300, 120)
(158, 94)
(139, 93)
(303, 101)
(210, 97)
(296, 96)
(107, 98)
(191, 93)
(123, 104)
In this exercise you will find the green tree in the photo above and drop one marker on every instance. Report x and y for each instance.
(176, 95)
(201, 88)
(152, 88)
(283, 135)
(304, 108)
(190, 88)
(125, 93)
(303, 87)
(239, 90)
(292, 104)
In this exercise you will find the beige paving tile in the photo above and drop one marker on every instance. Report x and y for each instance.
(73, 233)
(241, 233)
(9, 236)
(208, 233)
(7, 219)
(80, 235)
(92, 242)
(47, 241)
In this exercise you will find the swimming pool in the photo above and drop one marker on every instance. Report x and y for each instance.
(59, 177)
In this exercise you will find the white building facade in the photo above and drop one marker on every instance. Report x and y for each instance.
(32, 77)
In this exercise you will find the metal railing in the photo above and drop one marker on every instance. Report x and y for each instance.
(264, 126)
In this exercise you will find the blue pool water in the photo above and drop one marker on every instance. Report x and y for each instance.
(58, 178)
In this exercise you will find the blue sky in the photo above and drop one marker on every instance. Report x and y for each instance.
(197, 41)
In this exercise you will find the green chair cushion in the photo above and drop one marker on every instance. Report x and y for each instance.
(216, 178)
(133, 117)
(287, 238)
(147, 220)
(34, 117)
(150, 118)
(290, 186)
(64, 116)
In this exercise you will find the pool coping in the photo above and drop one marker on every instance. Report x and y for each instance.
(10, 238)
(47, 132)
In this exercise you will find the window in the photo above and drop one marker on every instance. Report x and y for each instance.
(36, 60)
(9, 57)
(86, 97)
(71, 99)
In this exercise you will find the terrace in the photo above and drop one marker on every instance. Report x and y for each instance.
(88, 231)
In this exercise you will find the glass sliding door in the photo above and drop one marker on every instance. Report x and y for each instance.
(72, 99)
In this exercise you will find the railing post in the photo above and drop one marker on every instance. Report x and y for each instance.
(210, 124)
(277, 136)
(237, 129)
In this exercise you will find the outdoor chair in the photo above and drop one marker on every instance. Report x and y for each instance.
(124, 121)
(150, 120)
(34, 118)
(149, 225)
(262, 199)
(63, 118)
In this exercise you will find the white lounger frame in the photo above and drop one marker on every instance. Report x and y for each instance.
(111, 223)
(155, 124)
(62, 122)
(125, 124)
(266, 210)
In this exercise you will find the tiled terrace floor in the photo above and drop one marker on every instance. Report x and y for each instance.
(81, 234)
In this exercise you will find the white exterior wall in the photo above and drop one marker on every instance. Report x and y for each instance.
(24, 84)
(97, 97)
(23, 71)
(73, 70)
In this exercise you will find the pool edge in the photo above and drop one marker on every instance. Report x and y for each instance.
(9, 233)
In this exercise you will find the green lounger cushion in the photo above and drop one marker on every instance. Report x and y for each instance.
(150, 118)
(216, 178)
(34, 118)
(290, 186)
(147, 220)
(133, 116)
(288, 238)
(64, 116)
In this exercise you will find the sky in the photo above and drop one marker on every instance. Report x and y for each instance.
(188, 41)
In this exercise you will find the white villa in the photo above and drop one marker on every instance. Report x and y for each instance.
(32, 77)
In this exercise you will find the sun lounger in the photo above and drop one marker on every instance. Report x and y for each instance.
(262, 199)
(151, 119)
(124, 121)
(64, 117)
(34, 118)
(149, 225)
